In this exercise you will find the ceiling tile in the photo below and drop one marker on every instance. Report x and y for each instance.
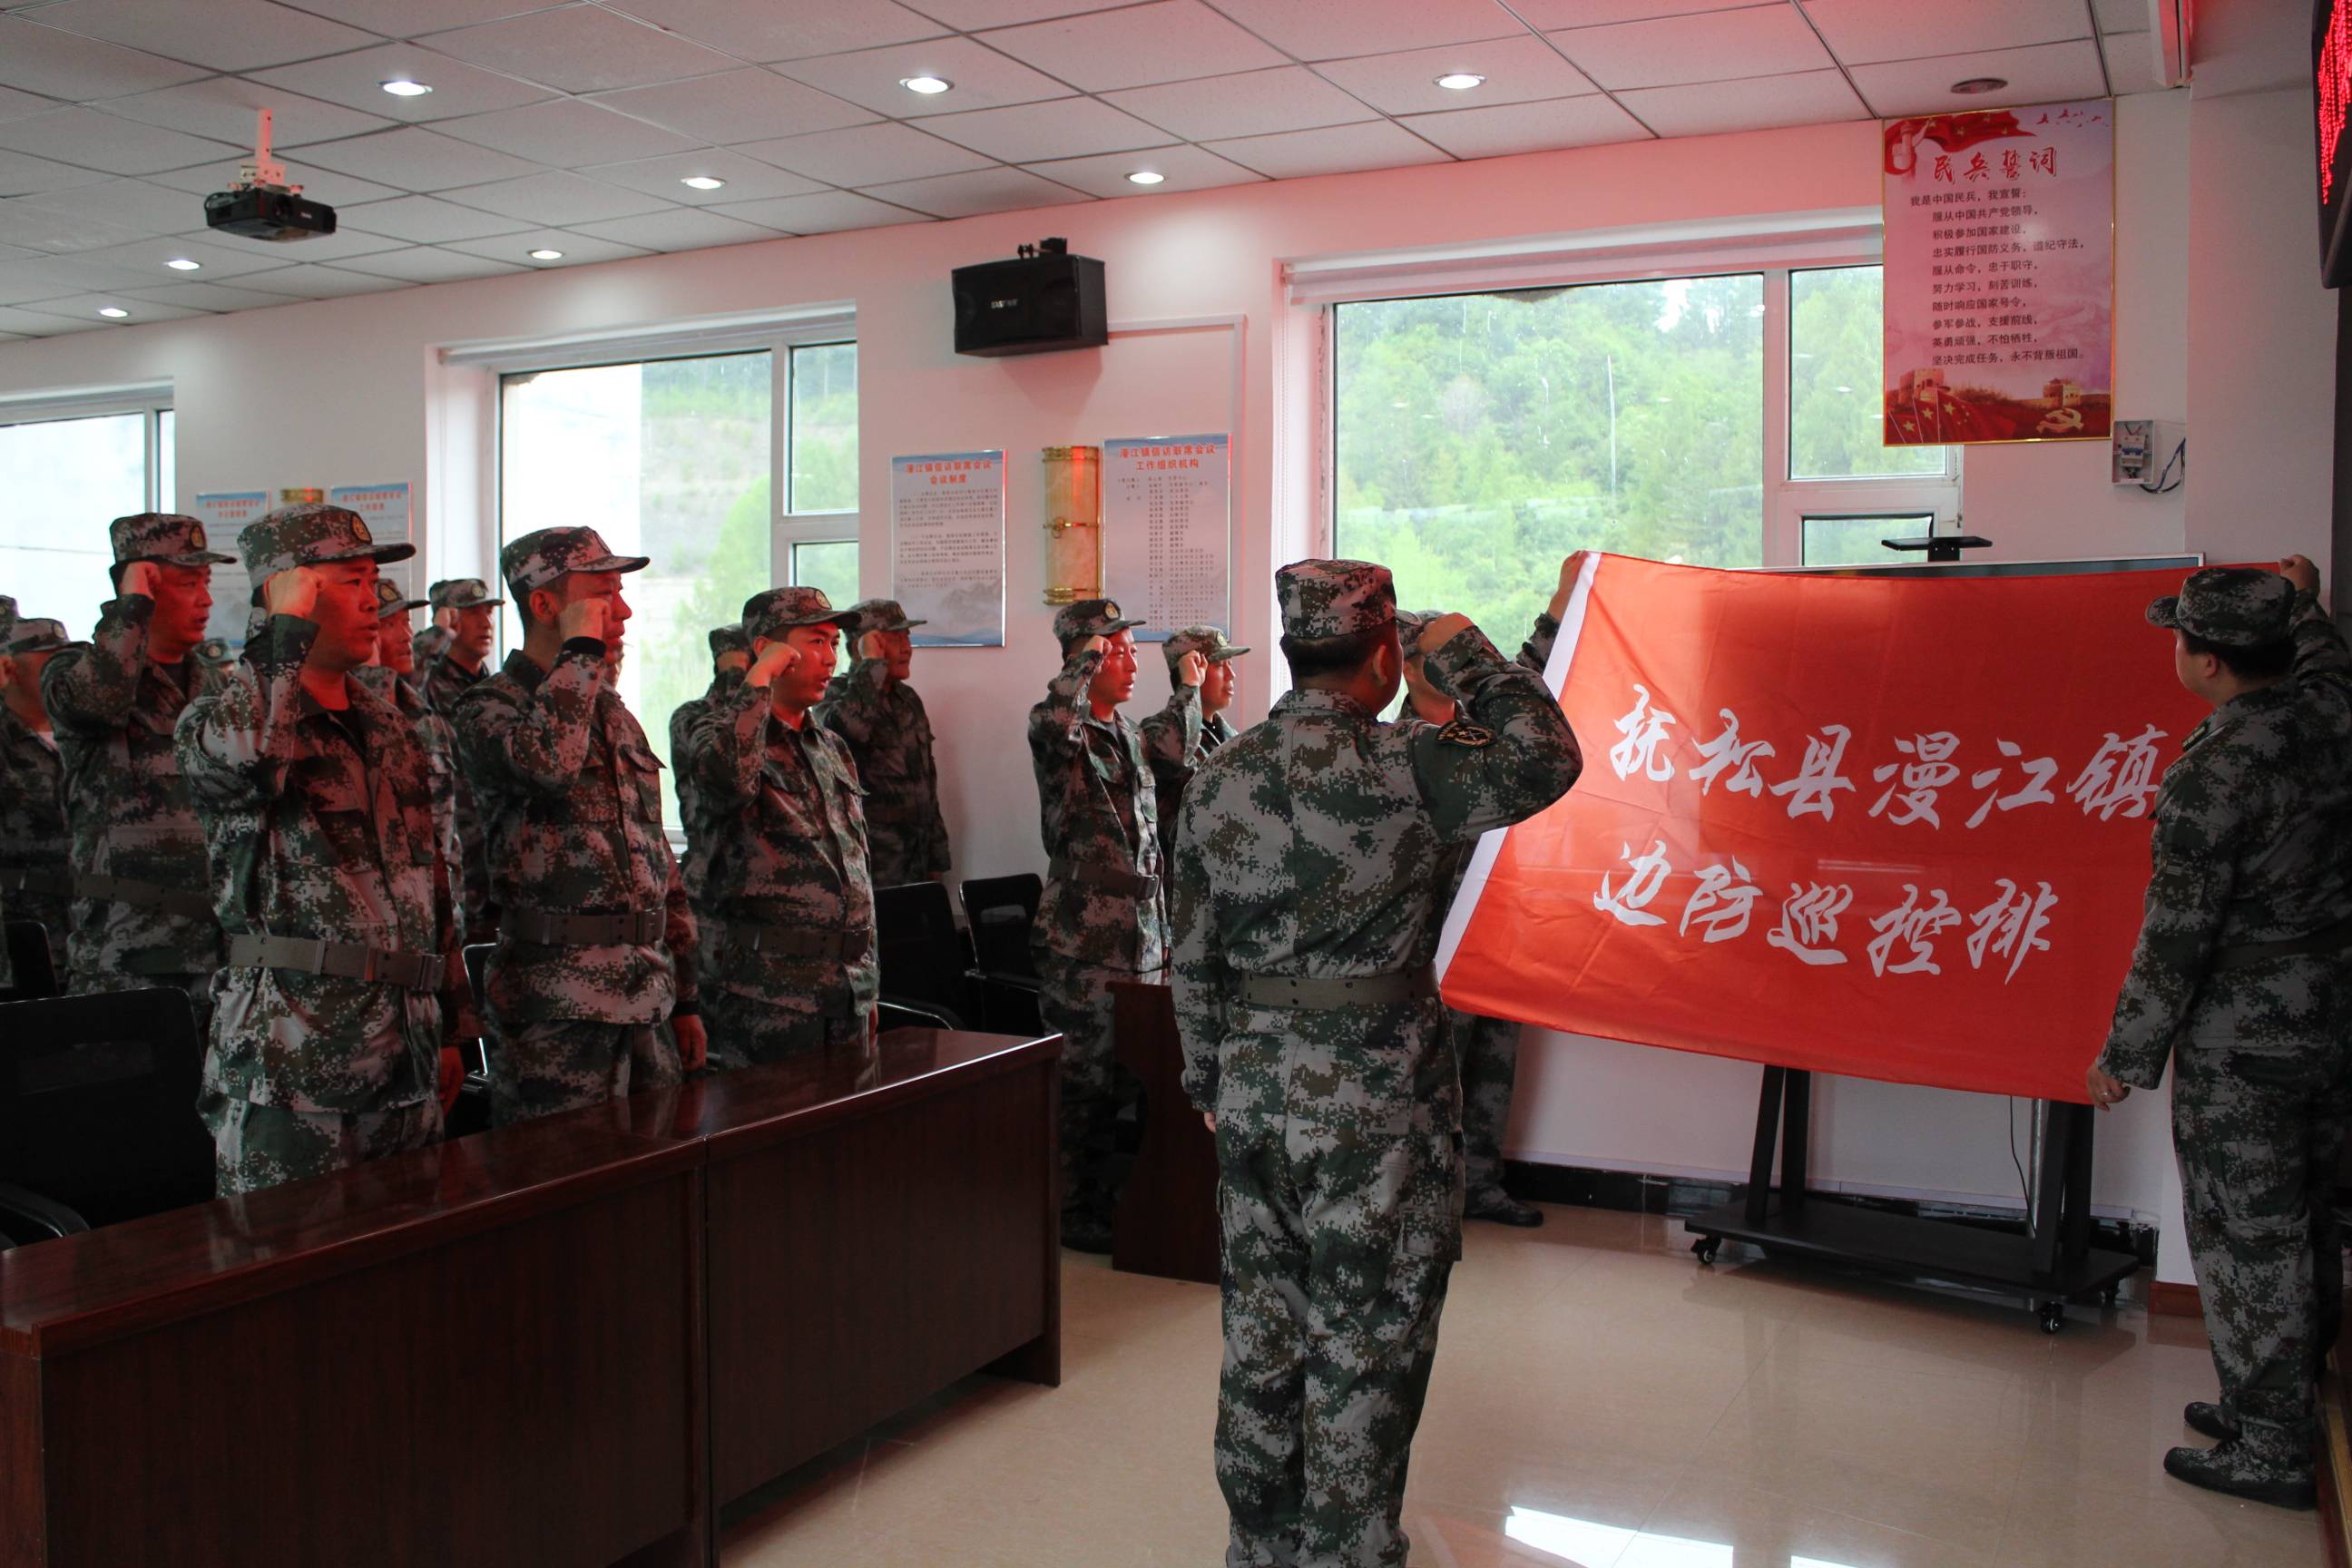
(1166, 41)
(223, 34)
(1335, 29)
(79, 307)
(67, 65)
(431, 264)
(677, 229)
(579, 249)
(973, 15)
(558, 199)
(50, 276)
(414, 159)
(866, 154)
(136, 204)
(223, 107)
(2121, 15)
(335, 247)
(107, 141)
(581, 48)
(1071, 126)
(29, 227)
(413, 18)
(209, 296)
(1761, 103)
(337, 190)
(1865, 32)
(748, 179)
(828, 212)
(564, 132)
(1716, 47)
(24, 323)
(1185, 168)
(746, 105)
(426, 220)
(15, 105)
(1252, 103)
(1507, 128)
(785, 32)
(980, 191)
(1518, 70)
(221, 261)
(1333, 150)
(1549, 13)
(321, 282)
(983, 78)
(2045, 74)
(356, 82)
(22, 174)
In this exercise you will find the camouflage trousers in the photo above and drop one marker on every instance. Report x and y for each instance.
(746, 1031)
(257, 1146)
(2258, 1134)
(1489, 1051)
(1336, 1250)
(1075, 1001)
(561, 1064)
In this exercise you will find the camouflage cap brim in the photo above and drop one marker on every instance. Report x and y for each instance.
(2164, 611)
(188, 558)
(613, 563)
(392, 607)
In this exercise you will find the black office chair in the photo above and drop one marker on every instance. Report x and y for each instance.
(31, 975)
(923, 957)
(910, 1014)
(1001, 910)
(27, 1218)
(472, 1111)
(97, 1103)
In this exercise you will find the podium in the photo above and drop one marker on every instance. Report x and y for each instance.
(1166, 1223)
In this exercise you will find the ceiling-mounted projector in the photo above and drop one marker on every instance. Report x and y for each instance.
(261, 204)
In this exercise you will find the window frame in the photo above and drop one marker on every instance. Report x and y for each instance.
(790, 527)
(150, 403)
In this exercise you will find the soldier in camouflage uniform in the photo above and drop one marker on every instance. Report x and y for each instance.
(796, 968)
(1180, 737)
(343, 998)
(730, 656)
(141, 915)
(889, 735)
(1311, 865)
(36, 870)
(2240, 977)
(592, 988)
(392, 678)
(1103, 914)
(465, 611)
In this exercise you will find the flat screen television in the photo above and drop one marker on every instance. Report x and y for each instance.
(2331, 76)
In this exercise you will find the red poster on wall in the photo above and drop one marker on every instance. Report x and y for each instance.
(1896, 828)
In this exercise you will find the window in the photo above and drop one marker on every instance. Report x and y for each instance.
(62, 480)
(815, 541)
(1728, 420)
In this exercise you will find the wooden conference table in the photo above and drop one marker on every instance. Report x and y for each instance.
(562, 1342)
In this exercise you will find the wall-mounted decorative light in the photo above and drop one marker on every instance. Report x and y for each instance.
(1073, 523)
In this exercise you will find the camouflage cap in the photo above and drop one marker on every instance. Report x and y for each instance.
(1409, 625)
(1090, 618)
(461, 594)
(35, 634)
(780, 609)
(545, 554)
(1207, 641)
(389, 601)
(882, 616)
(214, 651)
(729, 639)
(310, 535)
(1324, 599)
(170, 538)
(2235, 606)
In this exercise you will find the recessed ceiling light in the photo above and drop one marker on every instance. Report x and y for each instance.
(545, 255)
(181, 263)
(1461, 81)
(1977, 84)
(114, 313)
(1146, 177)
(702, 181)
(401, 87)
(926, 85)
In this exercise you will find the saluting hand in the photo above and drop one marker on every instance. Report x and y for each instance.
(293, 592)
(2299, 571)
(141, 577)
(582, 618)
(773, 660)
(1192, 669)
(1444, 630)
(1094, 645)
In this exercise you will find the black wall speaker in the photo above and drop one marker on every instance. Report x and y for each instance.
(1030, 305)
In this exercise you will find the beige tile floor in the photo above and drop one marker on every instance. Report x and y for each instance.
(1600, 1401)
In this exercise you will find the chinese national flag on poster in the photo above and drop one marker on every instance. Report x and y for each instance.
(1896, 828)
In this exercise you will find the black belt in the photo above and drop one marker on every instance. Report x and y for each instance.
(2332, 939)
(152, 895)
(629, 926)
(345, 960)
(1347, 991)
(796, 941)
(1117, 878)
(36, 880)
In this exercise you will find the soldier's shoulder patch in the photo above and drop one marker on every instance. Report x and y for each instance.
(1461, 732)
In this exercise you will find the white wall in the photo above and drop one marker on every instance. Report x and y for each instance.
(314, 392)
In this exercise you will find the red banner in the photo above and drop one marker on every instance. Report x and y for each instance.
(1896, 828)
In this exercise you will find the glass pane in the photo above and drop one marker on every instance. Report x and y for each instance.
(1836, 338)
(832, 566)
(1481, 438)
(61, 482)
(668, 459)
(167, 464)
(825, 428)
(1854, 540)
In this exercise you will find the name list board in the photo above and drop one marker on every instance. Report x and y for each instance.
(947, 547)
(1167, 531)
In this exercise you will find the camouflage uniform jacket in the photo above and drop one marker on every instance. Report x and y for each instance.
(1328, 834)
(128, 812)
(440, 741)
(33, 838)
(1100, 823)
(1176, 741)
(2252, 845)
(442, 684)
(889, 736)
(571, 801)
(788, 846)
(697, 865)
(322, 826)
